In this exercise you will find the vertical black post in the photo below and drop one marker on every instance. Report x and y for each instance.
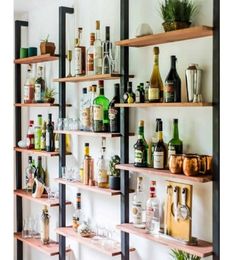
(18, 156)
(216, 130)
(62, 114)
(124, 69)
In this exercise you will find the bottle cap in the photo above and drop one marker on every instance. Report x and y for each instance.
(31, 122)
(141, 123)
(101, 83)
(175, 120)
(86, 144)
(89, 88)
(84, 90)
(78, 194)
(116, 85)
(39, 158)
(39, 115)
(97, 25)
(156, 50)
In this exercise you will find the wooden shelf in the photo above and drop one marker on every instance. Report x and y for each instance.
(36, 59)
(166, 37)
(82, 186)
(37, 152)
(203, 249)
(164, 173)
(39, 105)
(107, 250)
(90, 78)
(44, 200)
(51, 249)
(181, 104)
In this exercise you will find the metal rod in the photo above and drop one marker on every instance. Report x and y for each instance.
(124, 117)
(18, 156)
(62, 114)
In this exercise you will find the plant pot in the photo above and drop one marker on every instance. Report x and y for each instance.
(49, 100)
(114, 183)
(175, 25)
(47, 48)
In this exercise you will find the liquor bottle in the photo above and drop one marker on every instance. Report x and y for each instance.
(153, 211)
(30, 136)
(79, 55)
(107, 57)
(159, 155)
(138, 205)
(155, 93)
(141, 147)
(139, 94)
(57, 142)
(77, 213)
(40, 173)
(90, 56)
(29, 175)
(38, 133)
(172, 88)
(88, 167)
(93, 96)
(114, 112)
(100, 111)
(129, 95)
(103, 181)
(43, 137)
(40, 87)
(146, 92)
(50, 135)
(142, 92)
(98, 50)
(29, 86)
(85, 111)
(175, 145)
(45, 219)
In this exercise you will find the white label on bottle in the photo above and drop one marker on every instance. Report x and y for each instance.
(158, 160)
(98, 112)
(38, 92)
(153, 94)
(137, 212)
(47, 139)
(26, 92)
(78, 61)
(138, 156)
(86, 117)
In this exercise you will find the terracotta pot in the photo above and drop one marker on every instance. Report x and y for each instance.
(172, 26)
(47, 48)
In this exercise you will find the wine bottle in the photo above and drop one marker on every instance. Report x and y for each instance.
(57, 142)
(155, 93)
(141, 147)
(38, 133)
(40, 87)
(90, 56)
(93, 96)
(172, 88)
(30, 136)
(50, 135)
(79, 55)
(85, 111)
(114, 112)
(40, 173)
(129, 95)
(107, 57)
(98, 50)
(29, 86)
(159, 156)
(43, 137)
(29, 175)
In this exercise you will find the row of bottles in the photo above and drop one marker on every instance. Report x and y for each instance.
(156, 154)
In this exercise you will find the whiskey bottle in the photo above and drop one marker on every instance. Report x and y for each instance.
(90, 56)
(114, 112)
(79, 55)
(98, 50)
(88, 167)
(40, 87)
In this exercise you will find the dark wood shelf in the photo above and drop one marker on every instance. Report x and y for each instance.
(43, 200)
(181, 104)
(51, 249)
(203, 249)
(90, 78)
(36, 59)
(166, 37)
(39, 105)
(69, 233)
(37, 152)
(164, 173)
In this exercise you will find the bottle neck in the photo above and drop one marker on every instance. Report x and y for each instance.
(86, 151)
(101, 91)
(97, 35)
(39, 164)
(78, 203)
(176, 131)
(116, 91)
(160, 136)
(156, 59)
(39, 121)
(173, 63)
(141, 132)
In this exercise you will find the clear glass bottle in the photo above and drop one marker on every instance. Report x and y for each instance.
(129, 95)
(29, 86)
(107, 67)
(40, 87)
(77, 213)
(38, 133)
(45, 221)
(90, 56)
(79, 55)
(30, 136)
(103, 181)
(43, 137)
(85, 111)
(29, 175)
(98, 50)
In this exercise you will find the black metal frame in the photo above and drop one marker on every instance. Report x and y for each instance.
(62, 114)
(18, 156)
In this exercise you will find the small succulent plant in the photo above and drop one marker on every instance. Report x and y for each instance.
(181, 255)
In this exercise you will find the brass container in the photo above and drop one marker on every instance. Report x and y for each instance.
(205, 164)
(191, 165)
(176, 163)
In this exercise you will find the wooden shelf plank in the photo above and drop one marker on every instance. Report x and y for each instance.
(69, 233)
(39, 105)
(44, 200)
(203, 249)
(164, 173)
(36, 59)
(51, 249)
(90, 78)
(166, 37)
(37, 152)
(181, 104)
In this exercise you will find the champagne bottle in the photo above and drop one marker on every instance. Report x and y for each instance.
(50, 135)
(114, 112)
(155, 93)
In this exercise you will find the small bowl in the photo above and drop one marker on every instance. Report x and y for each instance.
(22, 144)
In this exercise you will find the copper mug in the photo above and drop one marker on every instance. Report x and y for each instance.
(176, 163)
(191, 164)
(205, 164)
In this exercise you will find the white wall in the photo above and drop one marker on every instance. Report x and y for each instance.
(195, 124)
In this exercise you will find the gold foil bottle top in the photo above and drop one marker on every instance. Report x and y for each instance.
(140, 179)
(141, 123)
(97, 25)
(89, 88)
(156, 50)
(92, 38)
(94, 88)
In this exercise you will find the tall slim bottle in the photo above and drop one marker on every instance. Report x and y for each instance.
(45, 219)
(88, 167)
(77, 213)
(107, 66)
(40, 87)
(29, 172)
(155, 93)
(114, 112)
(98, 50)
(79, 55)
(172, 88)
(90, 56)
(38, 133)
(50, 135)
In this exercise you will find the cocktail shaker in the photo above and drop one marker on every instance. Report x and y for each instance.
(193, 83)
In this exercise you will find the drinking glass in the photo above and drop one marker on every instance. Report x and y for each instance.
(63, 170)
(66, 124)
(36, 227)
(27, 231)
(60, 124)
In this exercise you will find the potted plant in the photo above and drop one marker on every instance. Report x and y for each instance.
(114, 175)
(47, 47)
(180, 255)
(177, 14)
(50, 95)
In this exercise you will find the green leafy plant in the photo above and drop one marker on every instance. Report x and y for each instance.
(50, 93)
(45, 40)
(112, 163)
(181, 255)
(178, 10)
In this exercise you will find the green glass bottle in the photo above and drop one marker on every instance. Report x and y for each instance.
(141, 148)
(40, 173)
(154, 140)
(38, 133)
(100, 111)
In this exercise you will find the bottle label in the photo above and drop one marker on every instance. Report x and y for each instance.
(90, 62)
(113, 113)
(57, 145)
(98, 112)
(158, 160)
(153, 94)
(86, 117)
(38, 92)
(169, 91)
(43, 142)
(137, 212)
(26, 92)
(137, 97)
(78, 61)
(139, 156)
